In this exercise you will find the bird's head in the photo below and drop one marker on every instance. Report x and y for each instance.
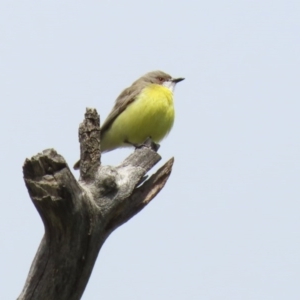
(162, 78)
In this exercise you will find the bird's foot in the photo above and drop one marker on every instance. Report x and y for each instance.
(148, 143)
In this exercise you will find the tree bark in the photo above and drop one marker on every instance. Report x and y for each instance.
(78, 216)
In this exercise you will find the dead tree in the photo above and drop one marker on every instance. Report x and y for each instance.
(78, 216)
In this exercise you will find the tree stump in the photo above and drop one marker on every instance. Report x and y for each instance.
(78, 216)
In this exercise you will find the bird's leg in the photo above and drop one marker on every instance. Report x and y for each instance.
(148, 143)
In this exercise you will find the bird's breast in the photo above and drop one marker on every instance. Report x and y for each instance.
(154, 111)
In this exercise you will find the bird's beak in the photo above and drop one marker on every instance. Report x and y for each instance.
(176, 80)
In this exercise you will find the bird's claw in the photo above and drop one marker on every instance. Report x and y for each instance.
(148, 143)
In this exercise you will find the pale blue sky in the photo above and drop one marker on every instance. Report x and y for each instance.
(226, 226)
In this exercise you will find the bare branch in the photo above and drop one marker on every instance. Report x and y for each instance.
(79, 215)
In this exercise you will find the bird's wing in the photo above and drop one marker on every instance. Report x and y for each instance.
(124, 99)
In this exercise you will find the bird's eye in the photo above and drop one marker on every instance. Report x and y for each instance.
(160, 79)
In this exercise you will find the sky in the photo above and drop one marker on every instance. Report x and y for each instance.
(226, 225)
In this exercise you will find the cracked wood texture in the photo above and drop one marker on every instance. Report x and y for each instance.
(78, 216)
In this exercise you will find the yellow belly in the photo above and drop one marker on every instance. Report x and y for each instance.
(150, 115)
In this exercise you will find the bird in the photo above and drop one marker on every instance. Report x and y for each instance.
(143, 110)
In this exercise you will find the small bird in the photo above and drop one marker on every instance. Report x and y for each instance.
(143, 110)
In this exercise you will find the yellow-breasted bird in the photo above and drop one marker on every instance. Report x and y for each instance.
(143, 110)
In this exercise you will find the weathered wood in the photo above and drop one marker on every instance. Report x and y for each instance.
(79, 215)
